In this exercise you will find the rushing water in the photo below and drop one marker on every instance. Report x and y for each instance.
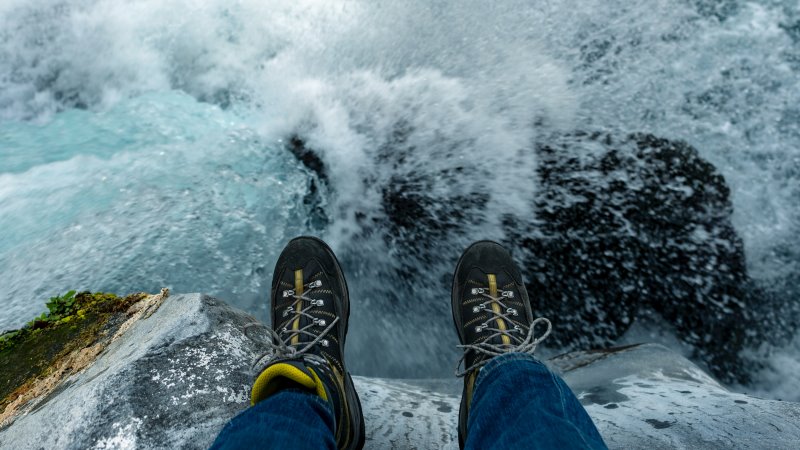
(142, 144)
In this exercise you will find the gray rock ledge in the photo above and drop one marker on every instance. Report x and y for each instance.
(175, 378)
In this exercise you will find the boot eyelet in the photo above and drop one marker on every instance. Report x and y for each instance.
(315, 284)
(517, 329)
(320, 322)
(324, 342)
(479, 328)
(317, 302)
(476, 309)
(512, 311)
(288, 293)
(508, 294)
(477, 291)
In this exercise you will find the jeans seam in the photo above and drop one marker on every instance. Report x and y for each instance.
(560, 394)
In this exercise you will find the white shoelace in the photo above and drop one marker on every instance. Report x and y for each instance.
(519, 345)
(279, 345)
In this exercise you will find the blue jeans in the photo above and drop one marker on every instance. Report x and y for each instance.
(518, 403)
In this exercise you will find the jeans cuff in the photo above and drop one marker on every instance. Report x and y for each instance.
(498, 361)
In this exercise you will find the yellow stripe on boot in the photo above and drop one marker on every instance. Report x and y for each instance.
(286, 374)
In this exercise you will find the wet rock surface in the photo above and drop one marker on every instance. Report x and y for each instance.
(175, 377)
(647, 396)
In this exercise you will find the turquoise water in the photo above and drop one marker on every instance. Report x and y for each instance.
(158, 190)
(142, 144)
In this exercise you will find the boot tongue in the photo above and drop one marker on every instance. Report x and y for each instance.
(498, 323)
(284, 375)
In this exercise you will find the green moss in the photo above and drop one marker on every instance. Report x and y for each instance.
(73, 321)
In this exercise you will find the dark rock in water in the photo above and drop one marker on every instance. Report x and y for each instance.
(317, 182)
(307, 157)
(620, 226)
(175, 376)
(418, 222)
(636, 221)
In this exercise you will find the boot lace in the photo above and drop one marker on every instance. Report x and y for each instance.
(279, 343)
(516, 342)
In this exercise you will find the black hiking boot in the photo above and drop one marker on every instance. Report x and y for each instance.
(310, 307)
(491, 312)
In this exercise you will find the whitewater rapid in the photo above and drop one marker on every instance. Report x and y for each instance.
(143, 144)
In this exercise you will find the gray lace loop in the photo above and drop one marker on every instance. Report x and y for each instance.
(279, 345)
(517, 344)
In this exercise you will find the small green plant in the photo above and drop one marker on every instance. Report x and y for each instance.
(37, 320)
(60, 306)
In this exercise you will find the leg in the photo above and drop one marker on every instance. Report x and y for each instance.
(510, 400)
(278, 421)
(519, 403)
(303, 396)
